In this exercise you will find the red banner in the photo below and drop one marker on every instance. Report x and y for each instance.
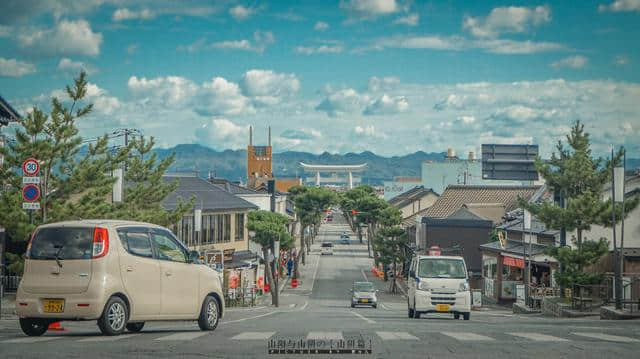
(513, 262)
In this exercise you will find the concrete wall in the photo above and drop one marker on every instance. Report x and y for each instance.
(418, 205)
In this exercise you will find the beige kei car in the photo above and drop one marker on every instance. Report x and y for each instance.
(120, 273)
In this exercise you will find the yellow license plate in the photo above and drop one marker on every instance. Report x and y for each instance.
(364, 300)
(53, 305)
(442, 307)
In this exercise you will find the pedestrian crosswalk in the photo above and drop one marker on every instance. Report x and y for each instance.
(383, 336)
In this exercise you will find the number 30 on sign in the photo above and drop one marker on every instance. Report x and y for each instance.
(30, 167)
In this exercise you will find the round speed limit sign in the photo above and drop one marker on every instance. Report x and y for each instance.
(30, 167)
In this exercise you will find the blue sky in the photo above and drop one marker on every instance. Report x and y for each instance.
(390, 76)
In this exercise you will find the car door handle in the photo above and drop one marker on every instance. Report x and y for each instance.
(129, 269)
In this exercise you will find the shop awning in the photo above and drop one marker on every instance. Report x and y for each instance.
(513, 262)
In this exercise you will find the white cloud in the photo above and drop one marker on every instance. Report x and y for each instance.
(269, 87)
(103, 104)
(621, 5)
(166, 91)
(377, 84)
(74, 67)
(131, 49)
(15, 68)
(387, 105)
(574, 62)
(409, 20)
(124, 14)
(241, 13)
(342, 101)
(262, 39)
(303, 134)
(512, 19)
(222, 97)
(66, 38)
(369, 9)
(513, 47)
(457, 43)
(322, 49)
(321, 26)
(221, 133)
(621, 60)
(368, 131)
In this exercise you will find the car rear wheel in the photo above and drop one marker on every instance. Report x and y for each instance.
(135, 327)
(114, 317)
(34, 327)
(209, 314)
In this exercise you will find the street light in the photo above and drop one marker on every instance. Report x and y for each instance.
(617, 195)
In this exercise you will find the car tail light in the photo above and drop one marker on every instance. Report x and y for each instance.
(100, 242)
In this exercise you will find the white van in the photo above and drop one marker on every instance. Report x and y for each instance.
(327, 248)
(438, 284)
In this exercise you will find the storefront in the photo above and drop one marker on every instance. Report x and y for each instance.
(503, 268)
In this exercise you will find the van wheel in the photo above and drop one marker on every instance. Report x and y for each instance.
(209, 314)
(33, 327)
(114, 317)
(466, 315)
(135, 327)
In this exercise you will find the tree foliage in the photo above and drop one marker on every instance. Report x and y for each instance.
(76, 178)
(269, 226)
(574, 260)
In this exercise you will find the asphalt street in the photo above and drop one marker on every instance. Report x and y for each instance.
(319, 312)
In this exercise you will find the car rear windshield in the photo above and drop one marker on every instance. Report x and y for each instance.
(63, 243)
(325, 245)
(441, 268)
(363, 287)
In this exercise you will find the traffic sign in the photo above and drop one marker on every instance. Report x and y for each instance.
(30, 167)
(34, 205)
(30, 180)
(30, 193)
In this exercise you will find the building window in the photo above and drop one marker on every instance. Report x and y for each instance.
(227, 228)
(205, 229)
(220, 228)
(213, 225)
(239, 226)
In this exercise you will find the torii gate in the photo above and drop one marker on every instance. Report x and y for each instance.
(349, 169)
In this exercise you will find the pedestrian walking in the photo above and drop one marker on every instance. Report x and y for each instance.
(289, 266)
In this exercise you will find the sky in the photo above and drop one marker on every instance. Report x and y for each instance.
(387, 76)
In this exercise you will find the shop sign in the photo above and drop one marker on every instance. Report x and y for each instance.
(513, 262)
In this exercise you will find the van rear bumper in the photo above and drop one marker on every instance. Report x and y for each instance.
(427, 302)
(76, 306)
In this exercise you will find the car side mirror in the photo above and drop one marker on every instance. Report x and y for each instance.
(194, 257)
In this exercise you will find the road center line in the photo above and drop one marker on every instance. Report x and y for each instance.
(363, 318)
(364, 275)
(313, 280)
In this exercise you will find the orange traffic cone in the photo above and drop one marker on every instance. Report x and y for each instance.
(55, 326)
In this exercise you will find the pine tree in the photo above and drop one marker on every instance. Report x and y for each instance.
(580, 179)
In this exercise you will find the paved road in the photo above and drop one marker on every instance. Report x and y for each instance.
(319, 309)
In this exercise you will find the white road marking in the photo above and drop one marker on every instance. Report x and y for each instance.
(466, 336)
(325, 335)
(363, 318)
(607, 337)
(313, 280)
(304, 306)
(182, 336)
(539, 337)
(364, 275)
(30, 340)
(108, 338)
(384, 306)
(254, 317)
(396, 336)
(292, 305)
(253, 336)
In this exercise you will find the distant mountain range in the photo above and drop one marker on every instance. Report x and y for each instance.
(232, 164)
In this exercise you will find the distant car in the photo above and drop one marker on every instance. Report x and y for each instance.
(329, 219)
(364, 293)
(327, 248)
(344, 238)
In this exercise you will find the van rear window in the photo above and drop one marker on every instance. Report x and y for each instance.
(63, 242)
